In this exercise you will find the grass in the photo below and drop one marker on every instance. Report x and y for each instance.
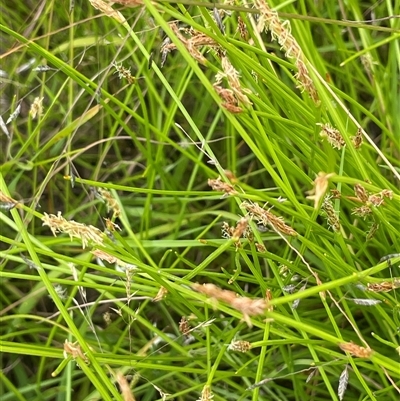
(262, 163)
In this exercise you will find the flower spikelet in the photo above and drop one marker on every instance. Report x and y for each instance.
(74, 229)
(247, 306)
(111, 202)
(280, 31)
(239, 346)
(107, 10)
(219, 185)
(356, 350)
(331, 216)
(332, 135)
(265, 217)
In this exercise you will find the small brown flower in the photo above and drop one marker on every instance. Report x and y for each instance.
(384, 286)
(124, 73)
(184, 327)
(75, 350)
(261, 247)
(265, 217)
(86, 233)
(219, 185)
(247, 306)
(362, 211)
(356, 350)
(360, 192)
(240, 228)
(242, 28)
(239, 346)
(333, 136)
(232, 108)
(107, 257)
(331, 216)
(357, 140)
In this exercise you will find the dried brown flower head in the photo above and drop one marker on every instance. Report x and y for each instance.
(247, 306)
(219, 185)
(362, 211)
(356, 350)
(184, 327)
(331, 216)
(360, 192)
(280, 31)
(75, 350)
(333, 136)
(242, 28)
(357, 140)
(85, 233)
(124, 73)
(265, 217)
(107, 257)
(239, 346)
(111, 202)
(108, 10)
(384, 286)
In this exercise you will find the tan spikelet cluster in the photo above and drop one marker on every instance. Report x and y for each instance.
(124, 73)
(161, 294)
(206, 394)
(36, 109)
(356, 350)
(265, 217)
(332, 135)
(369, 200)
(75, 350)
(236, 94)
(107, 257)
(124, 387)
(194, 40)
(280, 31)
(219, 185)
(74, 229)
(242, 229)
(111, 203)
(384, 286)
(229, 100)
(331, 216)
(108, 10)
(357, 139)
(184, 327)
(239, 346)
(247, 306)
(242, 28)
(320, 187)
